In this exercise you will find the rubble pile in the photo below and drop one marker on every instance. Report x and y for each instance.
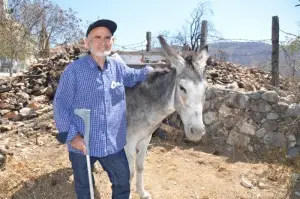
(24, 96)
(235, 76)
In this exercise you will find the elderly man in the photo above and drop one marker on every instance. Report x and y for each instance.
(96, 82)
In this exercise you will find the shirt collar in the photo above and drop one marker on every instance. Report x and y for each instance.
(92, 62)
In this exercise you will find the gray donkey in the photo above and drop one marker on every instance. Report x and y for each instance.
(148, 103)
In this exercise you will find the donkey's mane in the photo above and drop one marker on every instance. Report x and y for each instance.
(158, 85)
(190, 58)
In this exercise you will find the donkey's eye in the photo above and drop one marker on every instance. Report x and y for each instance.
(182, 89)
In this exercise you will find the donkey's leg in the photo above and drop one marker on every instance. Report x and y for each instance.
(130, 149)
(130, 152)
(140, 158)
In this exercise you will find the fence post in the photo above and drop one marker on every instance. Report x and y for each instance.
(275, 51)
(148, 45)
(203, 37)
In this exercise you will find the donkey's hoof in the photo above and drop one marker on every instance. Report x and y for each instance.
(145, 195)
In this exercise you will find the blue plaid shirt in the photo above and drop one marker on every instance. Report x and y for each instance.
(83, 85)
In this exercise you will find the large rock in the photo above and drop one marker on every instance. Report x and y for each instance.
(40, 99)
(6, 105)
(260, 106)
(293, 110)
(210, 117)
(206, 105)
(270, 125)
(209, 94)
(4, 111)
(11, 115)
(224, 111)
(238, 139)
(260, 133)
(247, 127)
(273, 116)
(257, 116)
(229, 123)
(25, 112)
(281, 108)
(238, 100)
(270, 96)
(254, 95)
(275, 139)
(5, 128)
(33, 105)
(288, 99)
(291, 137)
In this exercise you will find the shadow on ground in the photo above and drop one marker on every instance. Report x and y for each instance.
(233, 155)
(55, 185)
(229, 152)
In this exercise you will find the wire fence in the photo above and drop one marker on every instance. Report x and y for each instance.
(255, 52)
(211, 39)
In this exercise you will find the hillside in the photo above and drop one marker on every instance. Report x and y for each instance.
(250, 54)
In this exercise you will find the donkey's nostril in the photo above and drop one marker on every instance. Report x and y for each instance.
(192, 131)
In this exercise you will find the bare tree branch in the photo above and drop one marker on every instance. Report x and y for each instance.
(32, 25)
(191, 32)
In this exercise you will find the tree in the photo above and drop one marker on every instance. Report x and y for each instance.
(291, 53)
(33, 26)
(57, 27)
(16, 30)
(190, 33)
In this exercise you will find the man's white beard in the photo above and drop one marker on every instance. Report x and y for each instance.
(100, 54)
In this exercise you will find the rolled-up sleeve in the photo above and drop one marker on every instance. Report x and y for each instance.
(62, 104)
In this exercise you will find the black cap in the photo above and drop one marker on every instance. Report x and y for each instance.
(112, 26)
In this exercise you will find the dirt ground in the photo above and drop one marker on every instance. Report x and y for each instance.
(40, 169)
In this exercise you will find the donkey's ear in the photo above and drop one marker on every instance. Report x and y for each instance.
(186, 51)
(204, 53)
(201, 60)
(186, 47)
(176, 60)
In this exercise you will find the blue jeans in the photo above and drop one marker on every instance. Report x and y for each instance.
(116, 166)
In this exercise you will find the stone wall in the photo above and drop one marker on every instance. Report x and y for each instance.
(251, 120)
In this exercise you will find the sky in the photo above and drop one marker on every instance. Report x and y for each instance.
(232, 19)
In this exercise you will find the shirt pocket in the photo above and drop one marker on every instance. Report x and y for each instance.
(117, 94)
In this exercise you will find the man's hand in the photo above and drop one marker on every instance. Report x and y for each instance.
(154, 70)
(78, 143)
(161, 70)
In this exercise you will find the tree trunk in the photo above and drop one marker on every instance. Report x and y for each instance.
(11, 67)
(44, 42)
(294, 68)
